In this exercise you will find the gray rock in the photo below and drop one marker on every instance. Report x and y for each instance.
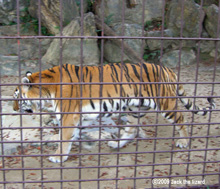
(8, 10)
(112, 53)
(113, 11)
(213, 53)
(192, 18)
(12, 30)
(50, 13)
(171, 59)
(155, 44)
(71, 47)
(207, 46)
(209, 2)
(212, 20)
(28, 47)
(184, 43)
(9, 65)
(8, 58)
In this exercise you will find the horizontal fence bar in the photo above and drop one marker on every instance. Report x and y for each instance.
(99, 179)
(111, 153)
(107, 98)
(110, 37)
(110, 83)
(105, 140)
(107, 166)
(113, 112)
(119, 126)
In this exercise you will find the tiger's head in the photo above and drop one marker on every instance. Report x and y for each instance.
(25, 92)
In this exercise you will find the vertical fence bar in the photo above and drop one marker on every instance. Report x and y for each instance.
(178, 79)
(61, 91)
(196, 79)
(2, 162)
(40, 88)
(101, 89)
(140, 91)
(81, 79)
(19, 65)
(212, 90)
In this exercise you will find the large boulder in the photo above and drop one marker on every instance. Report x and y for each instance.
(112, 53)
(133, 15)
(208, 2)
(8, 10)
(71, 51)
(133, 25)
(171, 59)
(211, 21)
(207, 46)
(192, 19)
(155, 44)
(51, 13)
(28, 49)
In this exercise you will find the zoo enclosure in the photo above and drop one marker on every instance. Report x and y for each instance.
(105, 32)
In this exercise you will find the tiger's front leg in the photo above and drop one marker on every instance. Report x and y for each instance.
(130, 132)
(66, 134)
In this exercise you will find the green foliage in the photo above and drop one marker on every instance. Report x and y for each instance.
(57, 27)
(108, 19)
(10, 24)
(35, 24)
(148, 24)
(216, 2)
(90, 4)
(151, 55)
(28, 22)
(153, 25)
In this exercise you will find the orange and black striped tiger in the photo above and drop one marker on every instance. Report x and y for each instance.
(90, 90)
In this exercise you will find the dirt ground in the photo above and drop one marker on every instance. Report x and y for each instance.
(119, 169)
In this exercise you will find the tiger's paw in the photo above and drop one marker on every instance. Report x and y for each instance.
(113, 144)
(182, 143)
(58, 159)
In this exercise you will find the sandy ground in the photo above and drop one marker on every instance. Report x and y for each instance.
(119, 169)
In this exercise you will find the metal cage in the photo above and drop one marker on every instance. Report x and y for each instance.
(145, 162)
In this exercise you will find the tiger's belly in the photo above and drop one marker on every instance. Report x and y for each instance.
(107, 107)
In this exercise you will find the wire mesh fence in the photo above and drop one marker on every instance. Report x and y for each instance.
(85, 122)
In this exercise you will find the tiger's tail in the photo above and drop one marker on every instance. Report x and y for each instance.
(190, 106)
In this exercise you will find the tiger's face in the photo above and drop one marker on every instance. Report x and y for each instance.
(25, 92)
(16, 96)
(25, 105)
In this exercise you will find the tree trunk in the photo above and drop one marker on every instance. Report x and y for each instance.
(127, 50)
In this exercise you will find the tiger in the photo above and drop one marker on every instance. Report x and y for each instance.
(132, 88)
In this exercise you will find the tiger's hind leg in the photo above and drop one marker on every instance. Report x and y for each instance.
(129, 133)
(177, 118)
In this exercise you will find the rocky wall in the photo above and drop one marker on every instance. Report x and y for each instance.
(198, 21)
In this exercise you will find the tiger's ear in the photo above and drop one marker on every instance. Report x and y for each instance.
(28, 73)
(26, 82)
